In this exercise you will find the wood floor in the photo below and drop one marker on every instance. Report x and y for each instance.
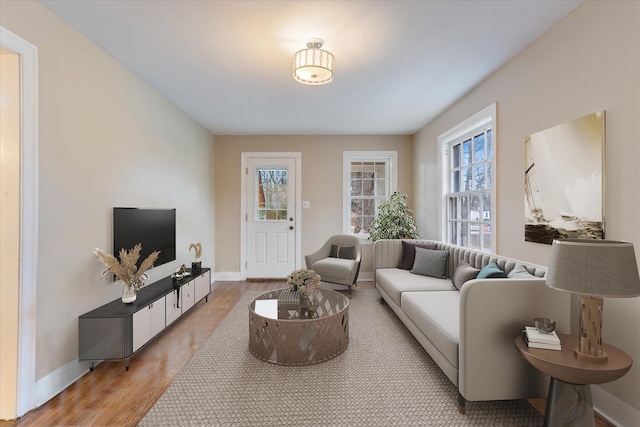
(111, 396)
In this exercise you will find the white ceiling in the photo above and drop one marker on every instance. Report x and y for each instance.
(228, 64)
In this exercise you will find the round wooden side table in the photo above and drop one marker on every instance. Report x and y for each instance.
(569, 402)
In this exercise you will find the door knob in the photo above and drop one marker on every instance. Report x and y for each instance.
(291, 227)
(290, 218)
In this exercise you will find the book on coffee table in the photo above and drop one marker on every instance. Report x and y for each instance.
(267, 308)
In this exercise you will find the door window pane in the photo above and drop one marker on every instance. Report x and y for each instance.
(271, 192)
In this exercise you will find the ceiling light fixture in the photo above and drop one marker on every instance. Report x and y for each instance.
(313, 66)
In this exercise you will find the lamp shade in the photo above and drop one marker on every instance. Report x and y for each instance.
(602, 268)
(313, 66)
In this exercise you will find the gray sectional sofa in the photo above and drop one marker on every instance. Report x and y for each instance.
(470, 332)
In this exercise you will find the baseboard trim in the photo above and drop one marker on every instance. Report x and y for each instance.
(613, 409)
(53, 383)
(226, 276)
(366, 276)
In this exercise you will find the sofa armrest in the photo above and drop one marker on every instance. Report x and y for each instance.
(386, 253)
(493, 313)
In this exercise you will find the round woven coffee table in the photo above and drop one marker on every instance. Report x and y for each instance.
(285, 330)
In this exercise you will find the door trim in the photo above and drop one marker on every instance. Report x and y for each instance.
(245, 156)
(27, 311)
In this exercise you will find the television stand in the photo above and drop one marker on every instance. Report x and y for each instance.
(116, 331)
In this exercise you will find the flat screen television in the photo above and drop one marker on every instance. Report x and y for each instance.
(154, 229)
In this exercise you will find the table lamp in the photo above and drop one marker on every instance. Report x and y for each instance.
(593, 269)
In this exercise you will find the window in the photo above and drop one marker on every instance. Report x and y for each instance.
(370, 177)
(271, 192)
(468, 177)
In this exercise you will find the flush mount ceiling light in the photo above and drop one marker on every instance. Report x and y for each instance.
(313, 66)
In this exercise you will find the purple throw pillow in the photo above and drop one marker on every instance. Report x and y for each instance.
(409, 253)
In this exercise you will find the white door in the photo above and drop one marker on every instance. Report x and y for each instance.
(271, 209)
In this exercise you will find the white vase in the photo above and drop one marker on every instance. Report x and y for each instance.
(128, 294)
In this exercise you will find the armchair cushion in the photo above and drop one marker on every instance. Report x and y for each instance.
(334, 270)
(343, 251)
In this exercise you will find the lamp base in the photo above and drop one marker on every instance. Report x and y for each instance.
(602, 357)
(590, 334)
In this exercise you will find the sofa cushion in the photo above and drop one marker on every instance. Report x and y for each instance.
(437, 315)
(395, 281)
(492, 271)
(409, 253)
(520, 272)
(430, 262)
(464, 272)
(343, 251)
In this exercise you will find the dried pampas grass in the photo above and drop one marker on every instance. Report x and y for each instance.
(125, 269)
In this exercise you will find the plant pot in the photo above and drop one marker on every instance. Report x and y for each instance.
(128, 294)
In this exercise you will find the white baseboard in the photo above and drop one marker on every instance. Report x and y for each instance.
(366, 276)
(53, 383)
(613, 409)
(226, 276)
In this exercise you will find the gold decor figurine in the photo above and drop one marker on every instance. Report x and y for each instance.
(196, 266)
(125, 270)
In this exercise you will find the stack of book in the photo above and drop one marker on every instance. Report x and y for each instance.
(537, 339)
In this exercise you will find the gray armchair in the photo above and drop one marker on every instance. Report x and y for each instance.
(337, 261)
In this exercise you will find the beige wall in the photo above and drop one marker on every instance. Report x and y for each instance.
(106, 139)
(588, 62)
(321, 185)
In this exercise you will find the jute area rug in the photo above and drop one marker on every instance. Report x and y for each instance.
(383, 378)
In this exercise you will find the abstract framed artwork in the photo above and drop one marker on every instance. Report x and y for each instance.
(564, 187)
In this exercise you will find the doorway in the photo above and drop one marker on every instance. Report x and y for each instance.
(271, 210)
(18, 224)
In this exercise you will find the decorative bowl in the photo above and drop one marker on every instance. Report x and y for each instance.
(544, 325)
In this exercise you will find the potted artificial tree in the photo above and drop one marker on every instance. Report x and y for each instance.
(394, 220)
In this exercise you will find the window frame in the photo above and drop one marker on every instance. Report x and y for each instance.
(465, 130)
(348, 157)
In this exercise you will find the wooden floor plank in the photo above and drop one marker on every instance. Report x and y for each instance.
(112, 396)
